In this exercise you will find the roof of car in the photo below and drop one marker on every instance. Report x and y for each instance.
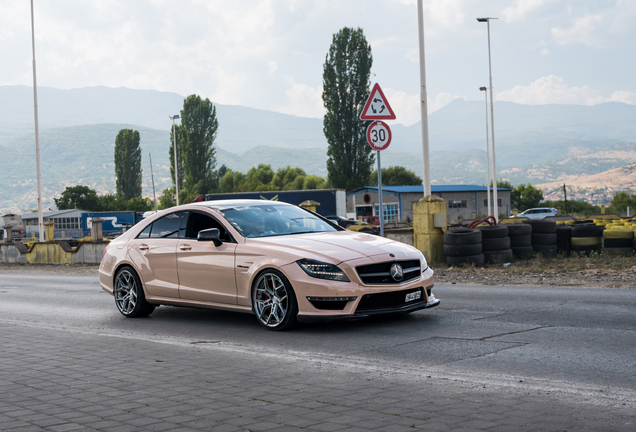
(231, 203)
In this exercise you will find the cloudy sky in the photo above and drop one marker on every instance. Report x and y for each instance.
(269, 54)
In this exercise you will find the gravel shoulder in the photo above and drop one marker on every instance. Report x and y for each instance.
(592, 272)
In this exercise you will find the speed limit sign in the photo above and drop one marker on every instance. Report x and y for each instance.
(379, 135)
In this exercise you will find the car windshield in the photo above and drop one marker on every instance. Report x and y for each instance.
(274, 220)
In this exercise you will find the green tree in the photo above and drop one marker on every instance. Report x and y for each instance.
(395, 176)
(80, 197)
(346, 84)
(198, 117)
(525, 196)
(621, 201)
(181, 134)
(259, 178)
(284, 178)
(128, 164)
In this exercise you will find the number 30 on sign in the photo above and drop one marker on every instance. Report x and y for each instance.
(379, 135)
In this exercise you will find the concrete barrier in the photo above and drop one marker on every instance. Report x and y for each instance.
(54, 252)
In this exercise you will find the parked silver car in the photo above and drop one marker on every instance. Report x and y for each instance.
(538, 213)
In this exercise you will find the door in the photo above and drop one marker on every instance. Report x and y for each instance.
(206, 271)
(154, 253)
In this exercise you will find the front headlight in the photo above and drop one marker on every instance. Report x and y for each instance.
(423, 261)
(322, 270)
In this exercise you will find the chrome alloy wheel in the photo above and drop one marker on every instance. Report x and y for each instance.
(271, 300)
(126, 292)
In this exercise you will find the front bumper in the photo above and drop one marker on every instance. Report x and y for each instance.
(367, 314)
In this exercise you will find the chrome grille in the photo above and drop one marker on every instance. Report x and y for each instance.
(379, 273)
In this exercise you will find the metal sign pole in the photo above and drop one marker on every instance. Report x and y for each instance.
(37, 135)
(380, 194)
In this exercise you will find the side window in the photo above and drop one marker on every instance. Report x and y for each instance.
(146, 232)
(167, 226)
(199, 222)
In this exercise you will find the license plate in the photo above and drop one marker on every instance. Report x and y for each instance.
(413, 296)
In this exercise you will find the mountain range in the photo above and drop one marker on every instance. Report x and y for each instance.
(535, 144)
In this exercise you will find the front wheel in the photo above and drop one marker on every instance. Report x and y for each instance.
(274, 301)
(129, 294)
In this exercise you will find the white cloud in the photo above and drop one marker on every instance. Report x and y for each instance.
(407, 106)
(303, 100)
(553, 90)
(521, 9)
(625, 97)
(581, 31)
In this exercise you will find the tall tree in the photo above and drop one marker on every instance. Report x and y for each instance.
(128, 164)
(525, 196)
(345, 90)
(198, 117)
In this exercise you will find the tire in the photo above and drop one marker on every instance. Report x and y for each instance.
(564, 232)
(587, 231)
(587, 241)
(462, 250)
(618, 252)
(477, 260)
(493, 231)
(547, 251)
(499, 256)
(521, 240)
(522, 252)
(541, 226)
(578, 250)
(462, 236)
(564, 245)
(544, 239)
(274, 301)
(618, 234)
(129, 294)
(495, 244)
(618, 243)
(519, 229)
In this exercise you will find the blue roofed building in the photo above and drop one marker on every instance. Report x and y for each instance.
(467, 201)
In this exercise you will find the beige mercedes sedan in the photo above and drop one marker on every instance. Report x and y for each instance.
(278, 261)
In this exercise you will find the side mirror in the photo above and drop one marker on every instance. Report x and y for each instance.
(211, 234)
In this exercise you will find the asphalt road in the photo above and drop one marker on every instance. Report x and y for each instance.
(565, 356)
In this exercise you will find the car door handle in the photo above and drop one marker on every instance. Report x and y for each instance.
(185, 247)
(144, 246)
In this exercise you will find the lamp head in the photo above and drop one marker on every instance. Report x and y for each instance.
(483, 88)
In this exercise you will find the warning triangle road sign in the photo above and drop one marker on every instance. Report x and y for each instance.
(377, 106)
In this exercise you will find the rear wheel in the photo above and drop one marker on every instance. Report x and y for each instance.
(129, 294)
(274, 301)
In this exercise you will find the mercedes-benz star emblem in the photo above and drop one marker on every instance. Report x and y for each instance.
(396, 272)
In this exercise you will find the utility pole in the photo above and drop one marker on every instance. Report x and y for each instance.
(176, 163)
(153, 182)
(423, 104)
(37, 133)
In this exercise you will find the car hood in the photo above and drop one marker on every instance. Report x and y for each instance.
(336, 247)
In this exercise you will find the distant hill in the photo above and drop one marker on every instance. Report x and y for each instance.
(535, 144)
(618, 178)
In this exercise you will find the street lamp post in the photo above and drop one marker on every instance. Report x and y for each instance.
(37, 134)
(488, 211)
(176, 164)
(492, 125)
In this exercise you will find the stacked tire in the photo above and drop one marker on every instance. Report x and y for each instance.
(463, 246)
(520, 240)
(587, 238)
(495, 244)
(618, 242)
(564, 239)
(544, 238)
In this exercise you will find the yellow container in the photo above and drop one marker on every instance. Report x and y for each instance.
(569, 222)
(560, 222)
